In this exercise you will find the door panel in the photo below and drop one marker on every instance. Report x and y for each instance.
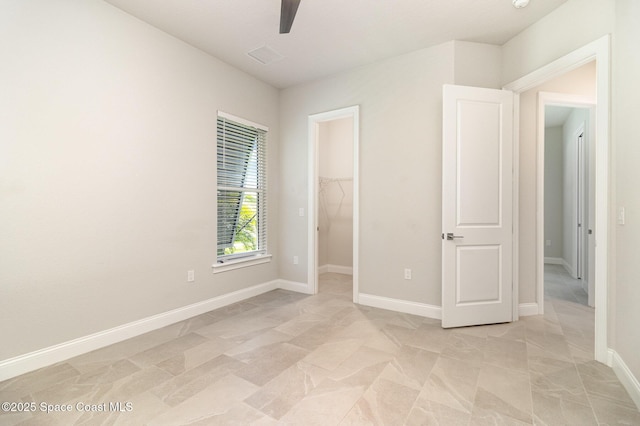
(479, 164)
(479, 280)
(477, 206)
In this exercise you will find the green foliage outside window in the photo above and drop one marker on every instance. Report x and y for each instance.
(246, 236)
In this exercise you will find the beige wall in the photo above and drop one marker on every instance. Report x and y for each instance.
(107, 171)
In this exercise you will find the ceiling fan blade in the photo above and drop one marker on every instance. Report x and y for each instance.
(287, 15)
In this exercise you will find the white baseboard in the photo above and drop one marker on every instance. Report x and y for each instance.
(347, 270)
(423, 309)
(561, 261)
(415, 308)
(528, 309)
(294, 286)
(626, 377)
(570, 270)
(47, 356)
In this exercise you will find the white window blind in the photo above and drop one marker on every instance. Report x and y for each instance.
(242, 183)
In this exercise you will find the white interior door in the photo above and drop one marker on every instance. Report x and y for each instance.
(477, 206)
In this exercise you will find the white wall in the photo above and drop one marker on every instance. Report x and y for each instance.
(477, 64)
(626, 90)
(572, 25)
(335, 199)
(553, 194)
(107, 171)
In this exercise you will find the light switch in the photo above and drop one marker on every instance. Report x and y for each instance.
(621, 216)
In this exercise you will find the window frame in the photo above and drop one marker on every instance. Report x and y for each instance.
(260, 255)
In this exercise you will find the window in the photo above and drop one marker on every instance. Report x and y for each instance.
(242, 188)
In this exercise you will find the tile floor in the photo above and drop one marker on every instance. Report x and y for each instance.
(287, 358)
(558, 284)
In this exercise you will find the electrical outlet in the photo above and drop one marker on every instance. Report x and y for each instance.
(548, 243)
(191, 276)
(407, 274)
(301, 211)
(296, 260)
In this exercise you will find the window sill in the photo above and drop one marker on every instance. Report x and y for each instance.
(230, 265)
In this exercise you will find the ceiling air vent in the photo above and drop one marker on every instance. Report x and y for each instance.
(265, 55)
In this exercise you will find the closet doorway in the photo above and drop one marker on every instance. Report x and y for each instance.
(333, 200)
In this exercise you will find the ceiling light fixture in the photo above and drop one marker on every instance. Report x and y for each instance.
(519, 4)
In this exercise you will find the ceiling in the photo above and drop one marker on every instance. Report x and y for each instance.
(556, 116)
(330, 36)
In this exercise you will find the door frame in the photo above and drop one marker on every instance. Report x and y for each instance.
(598, 50)
(566, 100)
(313, 178)
(579, 136)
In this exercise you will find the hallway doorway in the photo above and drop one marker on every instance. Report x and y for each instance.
(569, 187)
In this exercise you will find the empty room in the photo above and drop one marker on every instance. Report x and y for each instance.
(319, 212)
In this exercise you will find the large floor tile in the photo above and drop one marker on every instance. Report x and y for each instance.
(551, 410)
(426, 412)
(504, 391)
(452, 383)
(327, 404)
(265, 363)
(212, 401)
(280, 394)
(384, 403)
